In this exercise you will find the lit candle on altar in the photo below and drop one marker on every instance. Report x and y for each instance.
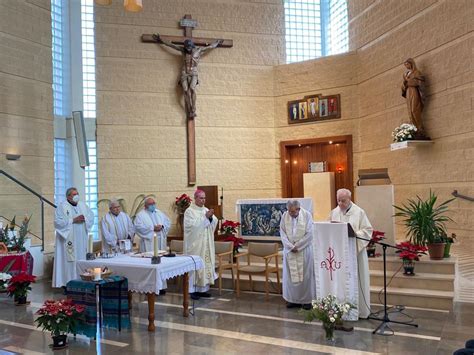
(91, 243)
(155, 244)
(97, 273)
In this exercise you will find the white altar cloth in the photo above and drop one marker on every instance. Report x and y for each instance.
(335, 264)
(143, 277)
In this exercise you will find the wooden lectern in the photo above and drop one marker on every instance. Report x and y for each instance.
(212, 202)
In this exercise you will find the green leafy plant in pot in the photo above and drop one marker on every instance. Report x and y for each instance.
(426, 223)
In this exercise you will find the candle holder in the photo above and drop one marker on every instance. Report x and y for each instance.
(156, 259)
(90, 256)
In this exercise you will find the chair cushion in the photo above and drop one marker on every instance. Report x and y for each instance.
(252, 268)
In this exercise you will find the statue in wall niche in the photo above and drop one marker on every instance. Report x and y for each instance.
(189, 73)
(413, 91)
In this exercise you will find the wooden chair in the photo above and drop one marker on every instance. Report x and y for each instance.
(224, 260)
(177, 246)
(266, 251)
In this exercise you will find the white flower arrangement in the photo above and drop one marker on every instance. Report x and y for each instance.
(404, 132)
(327, 310)
(4, 277)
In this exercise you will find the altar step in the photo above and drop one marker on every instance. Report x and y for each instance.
(431, 287)
(425, 281)
(413, 297)
(424, 265)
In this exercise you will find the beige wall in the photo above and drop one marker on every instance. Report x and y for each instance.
(141, 129)
(26, 120)
(438, 34)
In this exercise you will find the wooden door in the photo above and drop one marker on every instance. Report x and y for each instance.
(296, 156)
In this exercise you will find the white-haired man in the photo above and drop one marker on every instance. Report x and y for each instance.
(199, 226)
(73, 221)
(296, 231)
(116, 225)
(349, 212)
(150, 221)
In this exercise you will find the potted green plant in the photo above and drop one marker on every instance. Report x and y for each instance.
(448, 240)
(426, 223)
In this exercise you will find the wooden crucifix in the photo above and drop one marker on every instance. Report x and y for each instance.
(191, 48)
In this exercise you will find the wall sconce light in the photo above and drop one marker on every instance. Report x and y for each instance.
(339, 169)
(295, 162)
(286, 161)
(129, 5)
(13, 156)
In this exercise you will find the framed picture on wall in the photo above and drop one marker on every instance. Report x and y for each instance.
(313, 108)
(303, 110)
(293, 111)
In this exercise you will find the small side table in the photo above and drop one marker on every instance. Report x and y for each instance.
(108, 298)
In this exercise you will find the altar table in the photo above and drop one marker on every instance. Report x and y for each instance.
(15, 264)
(144, 277)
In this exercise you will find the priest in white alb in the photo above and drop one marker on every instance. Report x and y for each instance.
(150, 221)
(296, 232)
(349, 212)
(116, 225)
(73, 221)
(199, 226)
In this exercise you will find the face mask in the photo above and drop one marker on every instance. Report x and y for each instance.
(151, 208)
(76, 198)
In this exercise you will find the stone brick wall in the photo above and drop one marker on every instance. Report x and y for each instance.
(439, 36)
(141, 129)
(26, 117)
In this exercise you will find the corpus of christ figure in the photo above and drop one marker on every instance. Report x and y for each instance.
(189, 73)
(192, 49)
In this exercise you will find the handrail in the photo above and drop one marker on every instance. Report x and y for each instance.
(27, 188)
(41, 198)
(16, 225)
(455, 194)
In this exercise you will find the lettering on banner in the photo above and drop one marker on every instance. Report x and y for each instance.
(331, 264)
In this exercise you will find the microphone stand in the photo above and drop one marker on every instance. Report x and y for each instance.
(385, 319)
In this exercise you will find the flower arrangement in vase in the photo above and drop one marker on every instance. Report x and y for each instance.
(409, 253)
(404, 132)
(229, 232)
(182, 203)
(60, 318)
(328, 311)
(18, 287)
(8, 235)
(377, 236)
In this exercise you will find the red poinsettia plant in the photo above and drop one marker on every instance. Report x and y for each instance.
(59, 317)
(377, 236)
(19, 285)
(229, 229)
(410, 252)
(182, 203)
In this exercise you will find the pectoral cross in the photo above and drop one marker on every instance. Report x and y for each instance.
(189, 76)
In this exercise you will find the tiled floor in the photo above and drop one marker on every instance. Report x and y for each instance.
(247, 325)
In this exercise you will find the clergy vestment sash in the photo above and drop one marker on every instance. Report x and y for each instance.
(71, 212)
(295, 260)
